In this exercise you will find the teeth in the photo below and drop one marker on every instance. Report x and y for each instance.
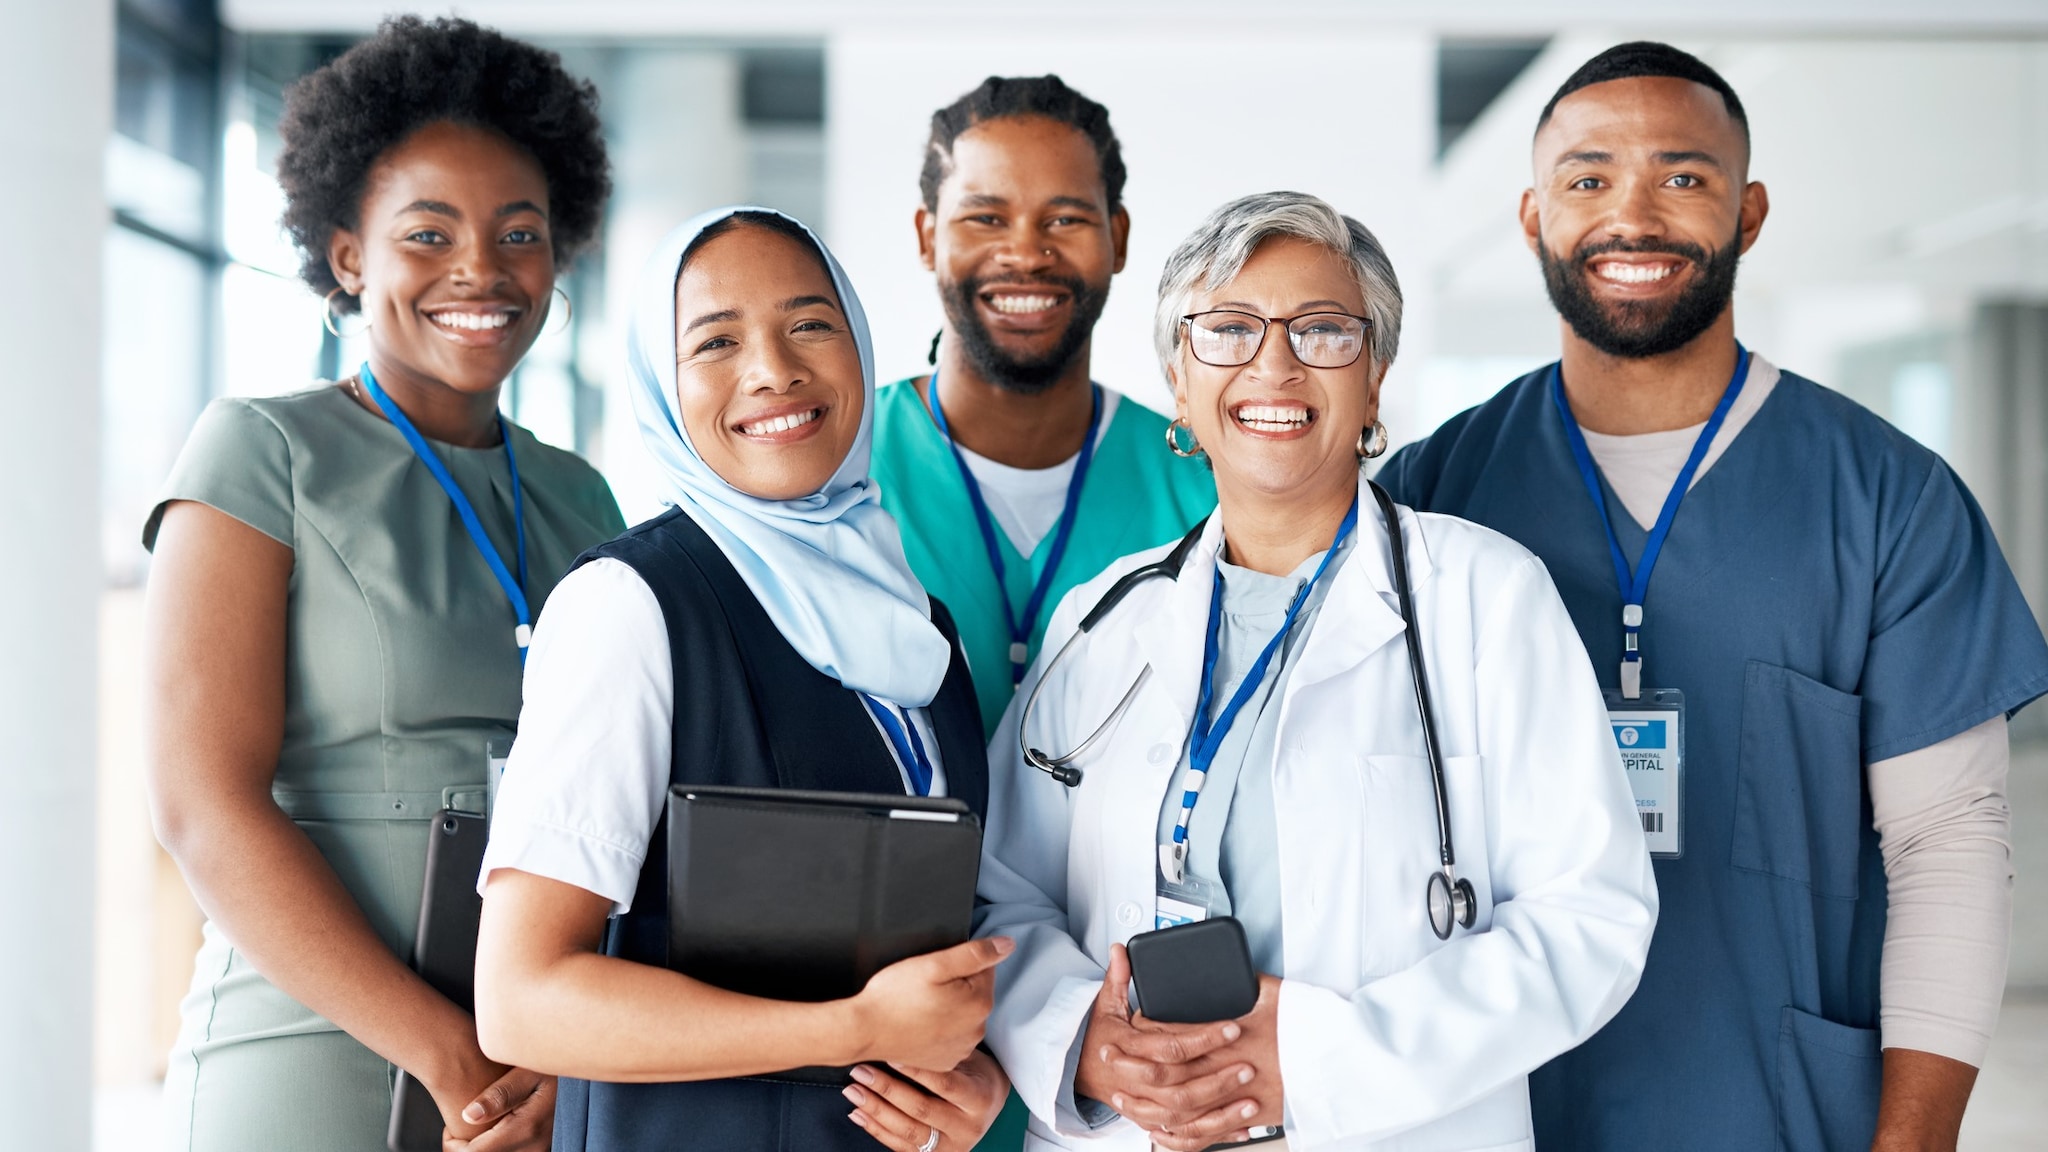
(1272, 417)
(1633, 273)
(473, 321)
(1017, 305)
(778, 424)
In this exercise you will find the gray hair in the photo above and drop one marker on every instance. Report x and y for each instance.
(1216, 251)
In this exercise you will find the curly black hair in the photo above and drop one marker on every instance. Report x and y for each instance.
(1001, 97)
(341, 117)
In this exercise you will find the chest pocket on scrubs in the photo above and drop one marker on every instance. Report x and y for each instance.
(1799, 784)
(1400, 851)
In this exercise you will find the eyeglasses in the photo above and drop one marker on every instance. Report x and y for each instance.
(1230, 339)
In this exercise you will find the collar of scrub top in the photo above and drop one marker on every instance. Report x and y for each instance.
(515, 590)
(908, 745)
(1635, 584)
(1022, 624)
(828, 568)
(1207, 737)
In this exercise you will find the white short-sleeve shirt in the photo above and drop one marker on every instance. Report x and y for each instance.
(588, 777)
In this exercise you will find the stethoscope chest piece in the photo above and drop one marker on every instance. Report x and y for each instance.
(1451, 903)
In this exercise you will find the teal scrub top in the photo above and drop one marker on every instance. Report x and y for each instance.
(1137, 494)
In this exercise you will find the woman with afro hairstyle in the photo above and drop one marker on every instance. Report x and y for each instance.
(343, 579)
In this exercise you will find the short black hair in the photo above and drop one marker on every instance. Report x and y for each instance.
(341, 117)
(1000, 97)
(1648, 58)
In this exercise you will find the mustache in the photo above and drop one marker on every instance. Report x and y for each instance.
(1680, 248)
(1073, 285)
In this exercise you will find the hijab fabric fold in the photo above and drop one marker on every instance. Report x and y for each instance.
(828, 567)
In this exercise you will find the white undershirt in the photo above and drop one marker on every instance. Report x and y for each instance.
(1027, 502)
(588, 777)
(1942, 822)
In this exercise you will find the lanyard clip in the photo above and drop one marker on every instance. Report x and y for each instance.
(1173, 861)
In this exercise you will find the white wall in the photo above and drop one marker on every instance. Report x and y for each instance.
(1173, 98)
(56, 73)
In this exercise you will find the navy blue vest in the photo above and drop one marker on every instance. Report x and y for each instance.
(749, 710)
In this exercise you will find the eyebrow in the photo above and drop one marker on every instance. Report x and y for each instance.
(1679, 157)
(720, 317)
(796, 302)
(1304, 308)
(443, 208)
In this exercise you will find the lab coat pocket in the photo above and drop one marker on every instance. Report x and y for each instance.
(1399, 851)
(1799, 782)
(1829, 1077)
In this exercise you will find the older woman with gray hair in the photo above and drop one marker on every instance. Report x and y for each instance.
(1368, 736)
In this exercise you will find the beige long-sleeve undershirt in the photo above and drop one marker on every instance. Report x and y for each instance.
(1942, 822)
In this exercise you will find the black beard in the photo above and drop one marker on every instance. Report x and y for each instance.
(1639, 329)
(1025, 376)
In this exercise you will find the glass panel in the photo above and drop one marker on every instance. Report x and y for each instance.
(152, 386)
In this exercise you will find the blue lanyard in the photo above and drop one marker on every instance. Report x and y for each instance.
(909, 750)
(514, 589)
(1636, 584)
(1208, 736)
(1020, 629)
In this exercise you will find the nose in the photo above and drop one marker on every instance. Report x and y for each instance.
(772, 369)
(478, 263)
(1634, 214)
(1275, 361)
(1024, 250)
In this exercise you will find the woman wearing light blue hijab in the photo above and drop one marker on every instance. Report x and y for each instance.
(766, 632)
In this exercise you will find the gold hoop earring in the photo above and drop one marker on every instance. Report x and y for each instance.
(568, 310)
(1194, 447)
(1378, 447)
(327, 313)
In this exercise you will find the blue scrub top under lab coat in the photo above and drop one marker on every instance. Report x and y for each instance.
(1829, 596)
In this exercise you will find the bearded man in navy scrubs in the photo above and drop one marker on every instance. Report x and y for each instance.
(1811, 695)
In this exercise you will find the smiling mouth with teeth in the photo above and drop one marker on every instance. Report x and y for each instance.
(471, 321)
(1011, 304)
(774, 424)
(1274, 417)
(1625, 272)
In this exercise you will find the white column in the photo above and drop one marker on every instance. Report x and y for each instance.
(56, 72)
(678, 147)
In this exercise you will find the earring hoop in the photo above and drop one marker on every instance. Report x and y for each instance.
(1378, 447)
(1194, 447)
(327, 314)
(568, 309)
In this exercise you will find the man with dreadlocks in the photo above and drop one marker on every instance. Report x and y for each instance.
(1013, 474)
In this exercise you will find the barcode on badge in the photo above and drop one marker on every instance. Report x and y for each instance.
(1652, 822)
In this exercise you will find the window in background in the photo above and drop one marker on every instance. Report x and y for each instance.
(1908, 380)
(1469, 74)
(782, 98)
(160, 258)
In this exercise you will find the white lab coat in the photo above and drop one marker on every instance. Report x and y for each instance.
(1389, 1039)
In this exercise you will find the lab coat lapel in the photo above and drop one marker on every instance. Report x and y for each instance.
(1361, 613)
(1172, 639)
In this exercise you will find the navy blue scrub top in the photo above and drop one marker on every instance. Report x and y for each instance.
(1829, 596)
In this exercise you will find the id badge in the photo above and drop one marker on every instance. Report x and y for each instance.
(497, 750)
(1649, 731)
(1187, 901)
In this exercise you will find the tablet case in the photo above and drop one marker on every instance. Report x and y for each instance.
(1194, 973)
(444, 954)
(795, 895)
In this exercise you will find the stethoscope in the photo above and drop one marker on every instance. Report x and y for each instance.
(1451, 901)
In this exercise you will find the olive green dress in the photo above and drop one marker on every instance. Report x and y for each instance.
(400, 667)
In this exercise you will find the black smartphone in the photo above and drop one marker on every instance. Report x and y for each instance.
(444, 954)
(1193, 973)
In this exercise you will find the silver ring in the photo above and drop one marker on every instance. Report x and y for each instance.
(930, 1142)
